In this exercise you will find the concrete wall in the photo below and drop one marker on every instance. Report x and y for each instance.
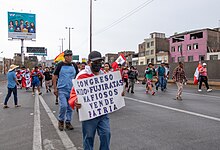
(190, 67)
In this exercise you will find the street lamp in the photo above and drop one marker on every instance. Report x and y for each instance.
(90, 34)
(62, 42)
(69, 34)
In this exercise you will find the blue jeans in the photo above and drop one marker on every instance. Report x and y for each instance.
(10, 90)
(65, 108)
(89, 127)
(161, 82)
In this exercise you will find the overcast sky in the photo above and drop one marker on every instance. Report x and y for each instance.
(52, 16)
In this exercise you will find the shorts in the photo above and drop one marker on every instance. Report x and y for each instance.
(149, 81)
(35, 83)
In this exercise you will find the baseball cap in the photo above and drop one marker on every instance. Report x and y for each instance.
(94, 55)
(204, 64)
(68, 52)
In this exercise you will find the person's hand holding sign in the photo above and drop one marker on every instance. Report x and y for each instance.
(78, 105)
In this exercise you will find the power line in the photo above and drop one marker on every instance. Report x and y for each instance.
(125, 16)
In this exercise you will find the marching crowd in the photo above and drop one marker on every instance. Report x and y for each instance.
(60, 78)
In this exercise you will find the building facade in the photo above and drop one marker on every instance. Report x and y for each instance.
(154, 49)
(194, 45)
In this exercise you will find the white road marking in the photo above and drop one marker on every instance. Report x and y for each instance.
(211, 96)
(37, 141)
(63, 136)
(175, 109)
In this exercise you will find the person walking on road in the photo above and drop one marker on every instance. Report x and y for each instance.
(132, 76)
(48, 78)
(149, 74)
(12, 86)
(35, 81)
(62, 82)
(100, 124)
(180, 78)
(161, 76)
(203, 77)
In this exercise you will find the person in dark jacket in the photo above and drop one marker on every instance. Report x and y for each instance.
(132, 76)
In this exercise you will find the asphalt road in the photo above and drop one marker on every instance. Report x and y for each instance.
(146, 123)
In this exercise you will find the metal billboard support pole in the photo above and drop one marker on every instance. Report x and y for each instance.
(22, 51)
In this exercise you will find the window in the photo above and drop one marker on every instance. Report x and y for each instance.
(141, 54)
(178, 39)
(152, 60)
(173, 49)
(152, 52)
(173, 59)
(195, 46)
(181, 59)
(141, 63)
(189, 47)
(152, 43)
(190, 58)
(180, 48)
(201, 57)
(196, 36)
(148, 60)
(147, 52)
(148, 45)
(213, 57)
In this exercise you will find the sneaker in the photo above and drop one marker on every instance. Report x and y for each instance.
(33, 93)
(132, 92)
(199, 90)
(153, 93)
(60, 125)
(209, 90)
(180, 99)
(69, 126)
(40, 93)
(17, 106)
(47, 91)
(5, 106)
(50, 90)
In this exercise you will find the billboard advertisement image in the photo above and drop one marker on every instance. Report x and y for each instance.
(21, 26)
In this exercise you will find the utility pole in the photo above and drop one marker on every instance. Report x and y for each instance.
(69, 35)
(62, 42)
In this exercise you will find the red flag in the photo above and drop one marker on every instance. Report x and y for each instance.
(120, 60)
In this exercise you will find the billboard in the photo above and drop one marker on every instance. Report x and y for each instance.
(21, 26)
(41, 51)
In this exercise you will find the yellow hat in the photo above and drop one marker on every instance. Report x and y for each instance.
(12, 67)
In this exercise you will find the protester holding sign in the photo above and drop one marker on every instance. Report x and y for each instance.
(62, 82)
(94, 93)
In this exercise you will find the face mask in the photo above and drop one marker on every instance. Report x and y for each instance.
(96, 67)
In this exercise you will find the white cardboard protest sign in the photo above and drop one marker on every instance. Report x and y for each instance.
(99, 95)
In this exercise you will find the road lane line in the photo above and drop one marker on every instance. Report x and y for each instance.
(175, 109)
(68, 144)
(37, 141)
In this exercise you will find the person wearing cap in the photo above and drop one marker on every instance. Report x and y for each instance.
(203, 77)
(100, 124)
(12, 86)
(161, 73)
(180, 78)
(149, 74)
(64, 73)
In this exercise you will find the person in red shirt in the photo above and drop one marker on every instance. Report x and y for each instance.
(35, 74)
(203, 77)
(125, 76)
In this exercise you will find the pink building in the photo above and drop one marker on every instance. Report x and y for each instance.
(194, 45)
